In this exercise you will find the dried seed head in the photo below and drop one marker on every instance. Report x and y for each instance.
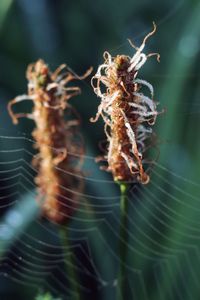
(127, 113)
(59, 149)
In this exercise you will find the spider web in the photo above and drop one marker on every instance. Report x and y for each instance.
(163, 231)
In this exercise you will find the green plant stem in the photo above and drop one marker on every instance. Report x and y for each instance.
(70, 265)
(123, 241)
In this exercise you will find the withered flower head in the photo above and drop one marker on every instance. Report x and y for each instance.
(127, 113)
(60, 151)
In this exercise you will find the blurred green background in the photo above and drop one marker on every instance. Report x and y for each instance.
(164, 253)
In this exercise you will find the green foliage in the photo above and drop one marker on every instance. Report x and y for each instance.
(46, 296)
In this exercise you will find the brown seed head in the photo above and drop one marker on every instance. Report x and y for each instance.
(127, 113)
(59, 153)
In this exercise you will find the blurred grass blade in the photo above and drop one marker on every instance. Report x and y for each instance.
(16, 220)
(4, 8)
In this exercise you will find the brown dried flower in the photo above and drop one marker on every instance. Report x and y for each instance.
(127, 113)
(59, 154)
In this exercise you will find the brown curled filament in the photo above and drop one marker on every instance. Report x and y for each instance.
(59, 145)
(128, 114)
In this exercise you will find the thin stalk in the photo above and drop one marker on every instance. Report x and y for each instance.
(70, 265)
(123, 242)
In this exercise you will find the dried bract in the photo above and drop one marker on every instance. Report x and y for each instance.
(128, 114)
(60, 149)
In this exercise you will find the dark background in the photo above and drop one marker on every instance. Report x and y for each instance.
(164, 258)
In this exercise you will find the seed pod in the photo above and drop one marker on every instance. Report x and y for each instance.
(127, 113)
(60, 151)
